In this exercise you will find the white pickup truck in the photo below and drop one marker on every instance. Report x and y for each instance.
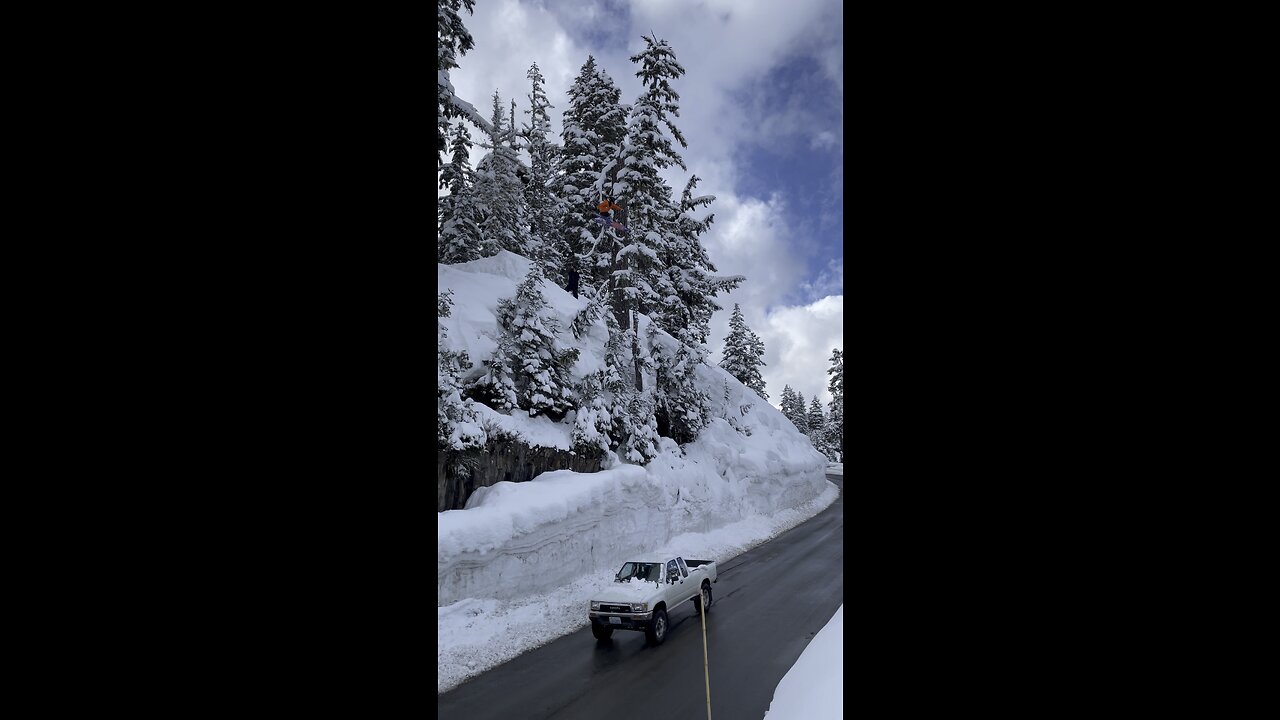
(645, 590)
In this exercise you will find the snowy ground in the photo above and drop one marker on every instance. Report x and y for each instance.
(477, 635)
(835, 469)
(813, 689)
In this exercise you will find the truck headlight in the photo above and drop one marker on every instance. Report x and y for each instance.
(639, 607)
(595, 605)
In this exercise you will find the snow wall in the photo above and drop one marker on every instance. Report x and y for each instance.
(515, 539)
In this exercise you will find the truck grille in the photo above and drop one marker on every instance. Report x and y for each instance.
(615, 608)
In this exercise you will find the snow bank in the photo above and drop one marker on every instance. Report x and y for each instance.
(836, 469)
(475, 634)
(813, 689)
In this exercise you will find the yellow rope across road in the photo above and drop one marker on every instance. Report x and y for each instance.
(706, 672)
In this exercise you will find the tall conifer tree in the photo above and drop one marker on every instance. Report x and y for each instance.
(744, 354)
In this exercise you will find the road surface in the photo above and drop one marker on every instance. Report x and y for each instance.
(767, 606)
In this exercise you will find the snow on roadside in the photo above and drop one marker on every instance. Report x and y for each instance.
(813, 689)
(476, 635)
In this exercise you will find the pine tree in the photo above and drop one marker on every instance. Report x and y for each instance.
(541, 193)
(651, 212)
(594, 422)
(663, 270)
(459, 238)
(787, 402)
(641, 443)
(835, 425)
(799, 414)
(529, 368)
(499, 190)
(679, 405)
(793, 408)
(594, 128)
(614, 382)
(453, 41)
(815, 420)
(744, 354)
(456, 428)
(686, 286)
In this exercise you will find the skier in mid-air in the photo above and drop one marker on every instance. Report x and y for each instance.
(604, 207)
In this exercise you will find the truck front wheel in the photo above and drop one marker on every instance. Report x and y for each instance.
(657, 630)
(601, 632)
(703, 602)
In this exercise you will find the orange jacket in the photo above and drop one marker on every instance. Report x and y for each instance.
(605, 206)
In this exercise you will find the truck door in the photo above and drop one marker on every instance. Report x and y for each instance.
(690, 589)
(675, 590)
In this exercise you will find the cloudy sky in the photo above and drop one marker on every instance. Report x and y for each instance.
(761, 107)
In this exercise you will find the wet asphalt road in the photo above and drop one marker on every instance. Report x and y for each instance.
(769, 602)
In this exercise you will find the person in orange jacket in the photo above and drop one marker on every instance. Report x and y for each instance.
(604, 206)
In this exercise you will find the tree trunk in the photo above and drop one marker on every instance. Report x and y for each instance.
(635, 353)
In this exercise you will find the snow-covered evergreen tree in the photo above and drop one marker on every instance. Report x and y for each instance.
(800, 414)
(546, 209)
(587, 316)
(688, 288)
(459, 238)
(594, 423)
(744, 354)
(663, 270)
(679, 404)
(529, 368)
(453, 41)
(641, 442)
(815, 420)
(787, 402)
(793, 408)
(651, 212)
(835, 424)
(614, 378)
(498, 190)
(594, 128)
(457, 427)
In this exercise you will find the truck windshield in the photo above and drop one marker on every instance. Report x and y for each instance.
(647, 572)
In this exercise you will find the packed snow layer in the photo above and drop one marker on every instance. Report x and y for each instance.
(478, 634)
(813, 689)
(836, 469)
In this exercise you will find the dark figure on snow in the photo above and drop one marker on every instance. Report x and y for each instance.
(573, 281)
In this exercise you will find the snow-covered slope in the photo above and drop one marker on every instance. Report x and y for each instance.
(515, 541)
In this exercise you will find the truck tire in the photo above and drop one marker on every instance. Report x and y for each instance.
(704, 597)
(657, 630)
(601, 632)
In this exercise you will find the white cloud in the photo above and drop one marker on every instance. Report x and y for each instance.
(828, 281)
(823, 140)
(753, 239)
(798, 343)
